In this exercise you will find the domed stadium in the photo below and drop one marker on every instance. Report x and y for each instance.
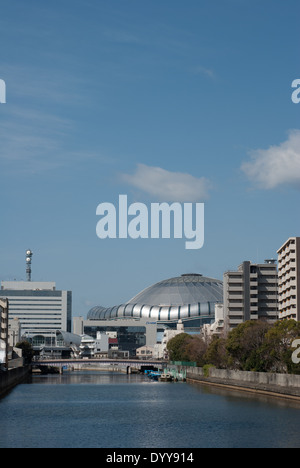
(189, 298)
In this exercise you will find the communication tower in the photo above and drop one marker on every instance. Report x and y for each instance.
(28, 264)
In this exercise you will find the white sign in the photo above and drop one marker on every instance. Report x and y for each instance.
(296, 354)
(296, 93)
(136, 221)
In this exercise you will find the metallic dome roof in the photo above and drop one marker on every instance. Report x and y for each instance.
(186, 289)
(185, 297)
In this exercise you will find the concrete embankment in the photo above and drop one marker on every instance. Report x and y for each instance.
(13, 377)
(281, 385)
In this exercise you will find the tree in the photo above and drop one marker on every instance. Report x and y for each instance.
(277, 348)
(177, 347)
(27, 351)
(216, 353)
(195, 350)
(244, 345)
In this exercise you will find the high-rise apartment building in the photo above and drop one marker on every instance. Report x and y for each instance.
(289, 279)
(38, 306)
(250, 293)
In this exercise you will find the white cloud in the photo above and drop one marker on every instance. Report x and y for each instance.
(205, 71)
(34, 134)
(168, 186)
(33, 142)
(277, 165)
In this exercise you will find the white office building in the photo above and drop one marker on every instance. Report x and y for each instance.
(39, 306)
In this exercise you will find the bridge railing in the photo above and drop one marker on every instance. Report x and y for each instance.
(121, 362)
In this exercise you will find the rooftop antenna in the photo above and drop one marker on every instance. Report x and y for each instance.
(28, 264)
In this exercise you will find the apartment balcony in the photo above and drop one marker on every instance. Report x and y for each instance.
(4, 315)
(289, 303)
(235, 313)
(232, 296)
(268, 281)
(233, 279)
(236, 321)
(236, 306)
(234, 288)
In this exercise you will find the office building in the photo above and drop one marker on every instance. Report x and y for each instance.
(289, 279)
(39, 307)
(251, 293)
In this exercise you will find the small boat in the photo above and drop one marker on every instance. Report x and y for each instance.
(154, 375)
(166, 378)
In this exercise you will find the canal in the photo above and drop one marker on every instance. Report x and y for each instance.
(107, 410)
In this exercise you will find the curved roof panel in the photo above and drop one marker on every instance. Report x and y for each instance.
(187, 296)
(186, 289)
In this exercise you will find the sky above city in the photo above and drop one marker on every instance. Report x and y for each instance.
(162, 101)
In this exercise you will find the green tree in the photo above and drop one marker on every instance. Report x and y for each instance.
(27, 351)
(244, 345)
(277, 350)
(177, 347)
(216, 353)
(195, 350)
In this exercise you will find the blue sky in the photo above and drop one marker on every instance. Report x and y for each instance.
(101, 94)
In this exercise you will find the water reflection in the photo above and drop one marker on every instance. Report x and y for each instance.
(114, 410)
(239, 395)
(88, 378)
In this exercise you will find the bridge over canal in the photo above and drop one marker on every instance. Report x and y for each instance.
(122, 365)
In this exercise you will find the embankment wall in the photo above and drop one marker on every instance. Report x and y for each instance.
(13, 377)
(284, 385)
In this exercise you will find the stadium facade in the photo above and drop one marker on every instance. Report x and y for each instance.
(190, 298)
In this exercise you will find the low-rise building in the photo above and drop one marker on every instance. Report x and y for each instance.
(160, 349)
(145, 352)
(217, 328)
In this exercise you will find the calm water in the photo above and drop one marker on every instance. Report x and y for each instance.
(120, 411)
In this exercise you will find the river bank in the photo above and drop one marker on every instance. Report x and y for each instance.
(13, 377)
(280, 385)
